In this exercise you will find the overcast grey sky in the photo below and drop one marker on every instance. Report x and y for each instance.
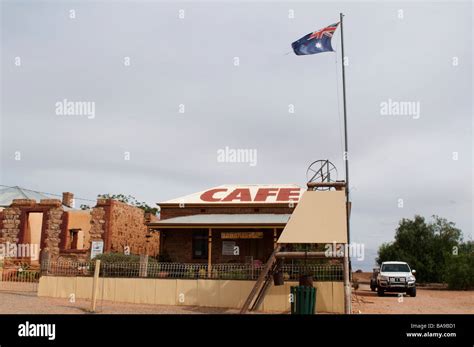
(190, 61)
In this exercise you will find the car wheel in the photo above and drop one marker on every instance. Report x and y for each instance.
(412, 292)
(380, 292)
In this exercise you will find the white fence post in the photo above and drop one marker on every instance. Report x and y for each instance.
(95, 285)
(143, 269)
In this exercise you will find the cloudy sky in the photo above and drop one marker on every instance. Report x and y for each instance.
(144, 62)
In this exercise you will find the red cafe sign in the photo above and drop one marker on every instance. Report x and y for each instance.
(251, 194)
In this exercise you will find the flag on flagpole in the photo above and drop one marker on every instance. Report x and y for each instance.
(315, 42)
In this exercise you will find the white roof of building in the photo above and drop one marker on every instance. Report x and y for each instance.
(243, 194)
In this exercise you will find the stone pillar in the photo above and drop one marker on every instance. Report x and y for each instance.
(53, 226)
(97, 224)
(10, 231)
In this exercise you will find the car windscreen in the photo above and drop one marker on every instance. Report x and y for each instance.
(395, 268)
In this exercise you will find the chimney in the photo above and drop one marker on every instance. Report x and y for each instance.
(68, 199)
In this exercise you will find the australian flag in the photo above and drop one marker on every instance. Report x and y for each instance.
(316, 42)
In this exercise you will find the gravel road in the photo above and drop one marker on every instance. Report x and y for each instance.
(363, 301)
(28, 302)
(426, 301)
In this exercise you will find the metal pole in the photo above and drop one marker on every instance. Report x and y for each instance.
(347, 286)
(347, 266)
(346, 149)
(209, 254)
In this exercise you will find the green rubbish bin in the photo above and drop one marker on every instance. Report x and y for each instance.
(303, 300)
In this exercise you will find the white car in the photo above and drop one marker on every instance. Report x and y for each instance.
(396, 276)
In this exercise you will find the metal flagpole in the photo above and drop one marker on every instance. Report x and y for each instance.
(347, 267)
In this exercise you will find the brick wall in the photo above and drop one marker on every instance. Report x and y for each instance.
(247, 247)
(177, 244)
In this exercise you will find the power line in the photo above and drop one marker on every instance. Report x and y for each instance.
(52, 194)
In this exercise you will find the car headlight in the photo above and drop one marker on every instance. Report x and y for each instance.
(383, 278)
(411, 278)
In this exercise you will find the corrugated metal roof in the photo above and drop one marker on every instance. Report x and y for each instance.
(216, 219)
(7, 195)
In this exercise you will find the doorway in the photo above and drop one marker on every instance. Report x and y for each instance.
(32, 236)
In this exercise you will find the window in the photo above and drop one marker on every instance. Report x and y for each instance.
(395, 268)
(200, 246)
(73, 238)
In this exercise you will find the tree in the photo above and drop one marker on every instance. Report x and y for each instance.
(130, 200)
(459, 270)
(426, 247)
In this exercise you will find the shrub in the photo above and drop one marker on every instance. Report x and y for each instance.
(459, 271)
(121, 265)
(121, 258)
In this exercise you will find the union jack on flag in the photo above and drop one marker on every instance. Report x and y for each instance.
(315, 42)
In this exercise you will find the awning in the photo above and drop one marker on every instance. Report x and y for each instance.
(320, 217)
(224, 220)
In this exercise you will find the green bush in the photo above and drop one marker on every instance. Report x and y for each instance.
(121, 265)
(121, 258)
(425, 246)
(459, 271)
(236, 274)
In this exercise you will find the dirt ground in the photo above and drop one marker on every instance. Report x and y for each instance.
(27, 302)
(426, 301)
(364, 301)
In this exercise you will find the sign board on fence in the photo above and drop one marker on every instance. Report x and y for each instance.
(228, 247)
(97, 248)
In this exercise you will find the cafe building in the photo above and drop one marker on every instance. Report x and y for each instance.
(225, 224)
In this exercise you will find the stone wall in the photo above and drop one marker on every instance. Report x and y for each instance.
(121, 225)
(97, 223)
(10, 225)
(53, 227)
(117, 223)
(15, 218)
